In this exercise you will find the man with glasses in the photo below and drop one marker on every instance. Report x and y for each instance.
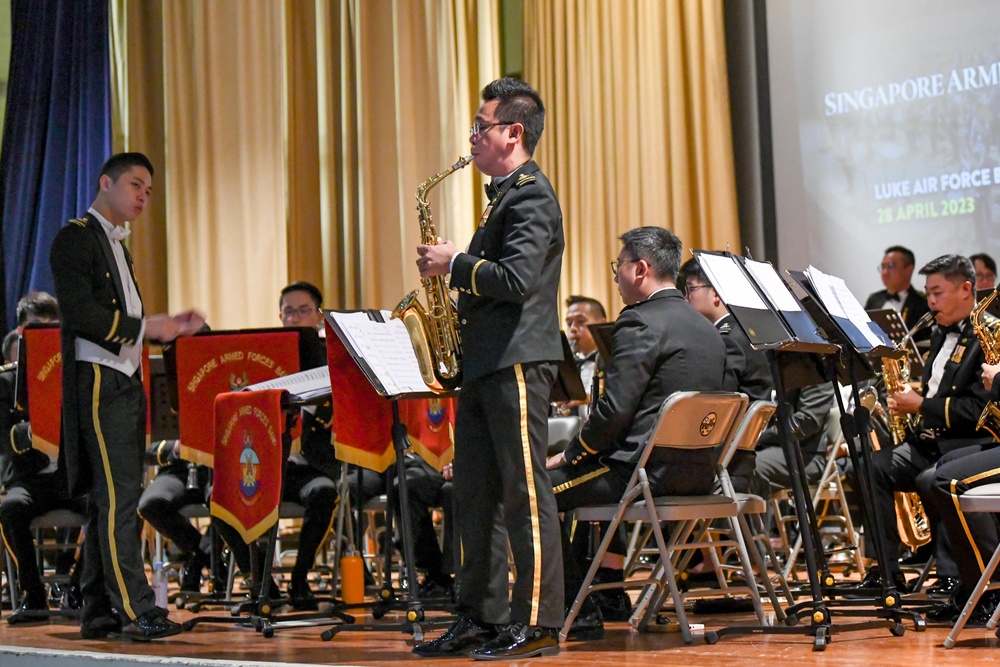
(508, 306)
(661, 345)
(899, 294)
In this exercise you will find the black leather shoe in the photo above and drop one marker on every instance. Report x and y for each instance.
(463, 636)
(615, 604)
(983, 610)
(71, 598)
(944, 587)
(151, 625)
(433, 589)
(871, 585)
(302, 596)
(587, 626)
(519, 641)
(34, 604)
(944, 612)
(100, 627)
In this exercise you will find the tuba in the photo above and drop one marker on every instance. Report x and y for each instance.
(434, 330)
(988, 333)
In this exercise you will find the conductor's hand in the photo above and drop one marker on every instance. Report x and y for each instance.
(988, 373)
(162, 328)
(435, 260)
(555, 461)
(189, 322)
(906, 402)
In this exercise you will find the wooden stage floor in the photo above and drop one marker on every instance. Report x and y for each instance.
(621, 645)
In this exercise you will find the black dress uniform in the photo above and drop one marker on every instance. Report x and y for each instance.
(947, 422)
(509, 323)
(103, 416)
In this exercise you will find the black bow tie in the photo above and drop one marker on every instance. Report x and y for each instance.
(951, 328)
(492, 190)
(894, 297)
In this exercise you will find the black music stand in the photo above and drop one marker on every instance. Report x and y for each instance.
(394, 377)
(800, 354)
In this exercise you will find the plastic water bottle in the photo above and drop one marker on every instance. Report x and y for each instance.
(160, 584)
(352, 578)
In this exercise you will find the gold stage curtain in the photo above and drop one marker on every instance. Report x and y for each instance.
(637, 127)
(289, 137)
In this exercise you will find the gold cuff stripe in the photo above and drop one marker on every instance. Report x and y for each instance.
(109, 480)
(569, 484)
(536, 532)
(947, 412)
(474, 269)
(13, 448)
(589, 449)
(114, 325)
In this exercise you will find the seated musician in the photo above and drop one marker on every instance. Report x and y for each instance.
(31, 481)
(582, 311)
(427, 488)
(662, 345)
(896, 271)
(986, 271)
(945, 413)
(310, 474)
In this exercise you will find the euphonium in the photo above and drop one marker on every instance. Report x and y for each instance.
(434, 330)
(988, 333)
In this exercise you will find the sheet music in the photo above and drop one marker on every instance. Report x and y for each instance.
(314, 383)
(386, 348)
(730, 282)
(773, 286)
(833, 290)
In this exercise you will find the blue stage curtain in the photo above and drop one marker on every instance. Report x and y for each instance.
(56, 135)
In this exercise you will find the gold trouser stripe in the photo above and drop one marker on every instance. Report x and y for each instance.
(947, 412)
(569, 484)
(529, 475)
(961, 514)
(474, 269)
(114, 325)
(111, 493)
(17, 565)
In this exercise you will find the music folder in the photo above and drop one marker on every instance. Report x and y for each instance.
(762, 305)
(567, 386)
(603, 334)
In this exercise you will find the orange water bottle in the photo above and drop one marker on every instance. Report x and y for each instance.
(352, 578)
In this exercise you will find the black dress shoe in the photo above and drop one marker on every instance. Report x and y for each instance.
(302, 596)
(463, 636)
(151, 625)
(34, 604)
(587, 626)
(944, 587)
(101, 626)
(872, 583)
(71, 598)
(983, 610)
(944, 612)
(615, 604)
(519, 641)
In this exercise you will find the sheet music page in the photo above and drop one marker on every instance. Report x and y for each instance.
(773, 286)
(730, 282)
(839, 300)
(386, 348)
(306, 385)
(826, 292)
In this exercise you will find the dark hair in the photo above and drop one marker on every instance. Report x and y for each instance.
(122, 162)
(986, 260)
(659, 247)
(691, 269)
(519, 103)
(9, 341)
(592, 303)
(37, 304)
(955, 268)
(905, 252)
(302, 286)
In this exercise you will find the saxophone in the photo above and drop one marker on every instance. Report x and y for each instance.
(434, 330)
(988, 333)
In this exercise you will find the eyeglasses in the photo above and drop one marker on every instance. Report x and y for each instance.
(891, 266)
(688, 290)
(479, 128)
(616, 265)
(301, 312)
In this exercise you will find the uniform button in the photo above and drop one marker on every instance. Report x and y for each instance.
(464, 321)
(107, 275)
(482, 253)
(114, 300)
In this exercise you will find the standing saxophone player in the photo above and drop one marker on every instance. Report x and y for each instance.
(508, 306)
(945, 413)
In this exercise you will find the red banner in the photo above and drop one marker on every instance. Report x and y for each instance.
(43, 365)
(210, 365)
(362, 419)
(246, 492)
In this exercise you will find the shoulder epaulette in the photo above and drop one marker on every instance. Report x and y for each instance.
(725, 327)
(80, 222)
(524, 179)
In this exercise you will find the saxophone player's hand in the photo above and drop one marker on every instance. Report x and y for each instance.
(906, 402)
(435, 260)
(988, 373)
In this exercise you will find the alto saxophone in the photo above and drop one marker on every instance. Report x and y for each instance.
(988, 333)
(434, 330)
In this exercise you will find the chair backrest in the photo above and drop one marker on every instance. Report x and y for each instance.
(747, 433)
(695, 420)
(561, 431)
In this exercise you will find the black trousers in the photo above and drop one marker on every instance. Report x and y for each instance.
(973, 535)
(501, 439)
(161, 503)
(426, 489)
(25, 500)
(112, 418)
(310, 488)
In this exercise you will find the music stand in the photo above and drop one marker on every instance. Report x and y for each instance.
(381, 349)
